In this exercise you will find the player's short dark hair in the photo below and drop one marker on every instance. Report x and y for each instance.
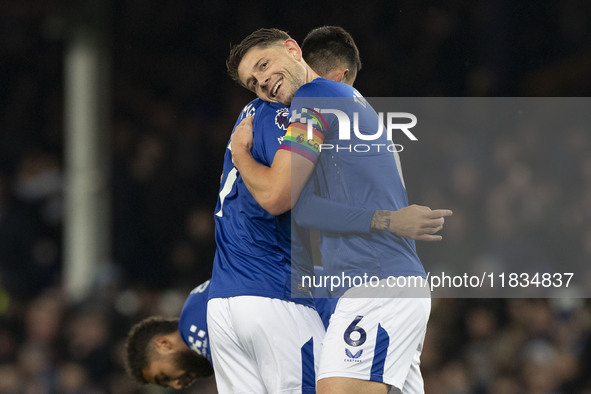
(328, 47)
(262, 38)
(138, 342)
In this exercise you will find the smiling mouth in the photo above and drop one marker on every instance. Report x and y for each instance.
(276, 88)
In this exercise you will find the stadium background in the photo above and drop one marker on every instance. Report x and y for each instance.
(523, 198)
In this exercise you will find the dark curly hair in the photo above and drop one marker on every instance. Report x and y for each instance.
(139, 338)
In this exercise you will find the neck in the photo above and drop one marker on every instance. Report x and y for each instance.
(310, 74)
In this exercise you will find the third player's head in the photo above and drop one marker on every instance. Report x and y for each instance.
(332, 53)
(270, 63)
(156, 354)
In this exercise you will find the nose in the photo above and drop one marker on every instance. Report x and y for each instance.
(262, 79)
(176, 384)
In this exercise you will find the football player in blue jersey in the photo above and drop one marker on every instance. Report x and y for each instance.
(161, 363)
(264, 333)
(263, 337)
(372, 344)
(193, 328)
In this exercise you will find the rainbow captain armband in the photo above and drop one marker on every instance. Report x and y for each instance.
(296, 140)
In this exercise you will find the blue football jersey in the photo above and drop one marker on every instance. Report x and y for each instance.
(193, 321)
(253, 255)
(353, 174)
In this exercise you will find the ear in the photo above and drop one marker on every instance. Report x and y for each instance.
(337, 74)
(345, 72)
(163, 344)
(349, 77)
(340, 76)
(293, 48)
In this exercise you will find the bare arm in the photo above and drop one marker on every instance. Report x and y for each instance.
(277, 189)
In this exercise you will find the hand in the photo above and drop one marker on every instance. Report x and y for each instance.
(415, 222)
(241, 140)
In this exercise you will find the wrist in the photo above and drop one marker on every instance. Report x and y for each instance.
(239, 151)
(380, 221)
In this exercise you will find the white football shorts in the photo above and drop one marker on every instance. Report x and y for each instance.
(264, 345)
(378, 339)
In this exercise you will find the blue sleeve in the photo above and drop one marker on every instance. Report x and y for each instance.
(316, 212)
(269, 128)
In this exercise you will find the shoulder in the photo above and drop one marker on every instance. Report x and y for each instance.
(251, 108)
(272, 115)
(194, 312)
(321, 87)
(197, 297)
(193, 321)
(266, 115)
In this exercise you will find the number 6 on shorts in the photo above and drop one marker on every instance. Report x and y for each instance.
(348, 337)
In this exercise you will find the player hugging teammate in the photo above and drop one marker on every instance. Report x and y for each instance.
(264, 334)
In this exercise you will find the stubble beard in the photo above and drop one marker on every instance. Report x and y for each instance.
(295, 79)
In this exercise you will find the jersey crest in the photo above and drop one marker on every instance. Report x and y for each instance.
(282, 118)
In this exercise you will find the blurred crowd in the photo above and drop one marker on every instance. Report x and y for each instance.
(519, 199)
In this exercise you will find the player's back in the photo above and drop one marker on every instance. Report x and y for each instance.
(357, 169)
(253, 246)
(193, 321)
